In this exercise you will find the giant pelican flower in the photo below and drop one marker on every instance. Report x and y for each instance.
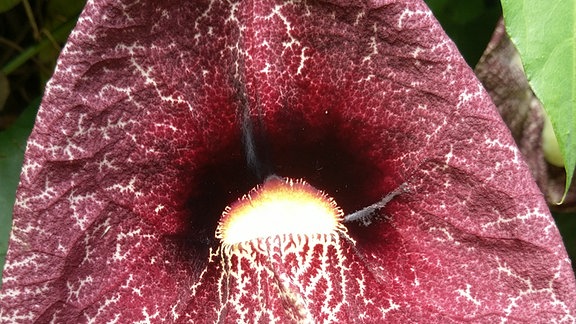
(171, 130)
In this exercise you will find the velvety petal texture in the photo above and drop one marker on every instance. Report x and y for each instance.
(138, 148)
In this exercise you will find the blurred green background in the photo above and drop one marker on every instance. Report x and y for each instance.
(32, 33)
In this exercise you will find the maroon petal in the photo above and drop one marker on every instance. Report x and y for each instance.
(137, 150)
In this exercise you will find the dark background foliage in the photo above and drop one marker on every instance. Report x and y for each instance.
(32, 33)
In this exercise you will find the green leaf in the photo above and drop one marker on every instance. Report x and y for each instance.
(544, 34)
(12, 145)
(6, 5)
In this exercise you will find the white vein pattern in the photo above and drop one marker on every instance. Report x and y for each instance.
(102, 168)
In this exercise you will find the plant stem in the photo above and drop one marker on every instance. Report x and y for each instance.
(59, 34)
(30, 15)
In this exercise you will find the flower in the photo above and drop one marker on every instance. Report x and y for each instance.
(140, 145)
